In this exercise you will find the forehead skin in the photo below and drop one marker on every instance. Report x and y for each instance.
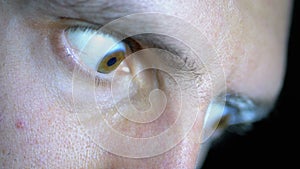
(36, 123)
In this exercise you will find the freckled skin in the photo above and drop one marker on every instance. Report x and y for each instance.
(38, 126)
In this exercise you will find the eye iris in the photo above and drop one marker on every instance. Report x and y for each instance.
(110, 62)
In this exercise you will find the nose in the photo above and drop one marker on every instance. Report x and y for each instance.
(135, 133)
(184, 155)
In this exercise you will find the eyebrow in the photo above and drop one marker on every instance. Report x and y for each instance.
(96, 11)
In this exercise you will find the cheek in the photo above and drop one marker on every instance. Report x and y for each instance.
(36, 123)
(41, 129)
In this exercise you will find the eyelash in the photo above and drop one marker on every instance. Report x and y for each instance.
(68, 53)
(133, 45)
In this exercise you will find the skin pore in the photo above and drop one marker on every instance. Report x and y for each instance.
(38, 126)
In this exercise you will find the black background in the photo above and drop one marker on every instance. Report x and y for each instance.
(271, 143)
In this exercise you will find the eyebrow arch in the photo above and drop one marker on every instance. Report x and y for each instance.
(98, 11)
(69, 3)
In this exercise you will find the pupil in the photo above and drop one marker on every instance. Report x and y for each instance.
(111, 61)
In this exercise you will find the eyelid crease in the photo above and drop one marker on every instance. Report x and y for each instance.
(181, 56)
(85, 25)
(79, 22)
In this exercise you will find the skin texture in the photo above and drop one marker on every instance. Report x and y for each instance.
(37, 125)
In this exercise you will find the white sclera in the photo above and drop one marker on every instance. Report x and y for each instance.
(93, 46)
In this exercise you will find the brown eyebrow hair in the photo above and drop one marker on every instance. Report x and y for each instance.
(103, 11)
(68, 3)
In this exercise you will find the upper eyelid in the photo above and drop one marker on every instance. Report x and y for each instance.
(186, 63)
(159, 41)
(87, 24)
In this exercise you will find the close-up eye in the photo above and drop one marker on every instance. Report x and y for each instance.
(98, 51)
(111, 84)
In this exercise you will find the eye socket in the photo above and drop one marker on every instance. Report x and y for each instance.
(99, 51)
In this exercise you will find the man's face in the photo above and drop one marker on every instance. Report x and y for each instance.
(67, 104)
